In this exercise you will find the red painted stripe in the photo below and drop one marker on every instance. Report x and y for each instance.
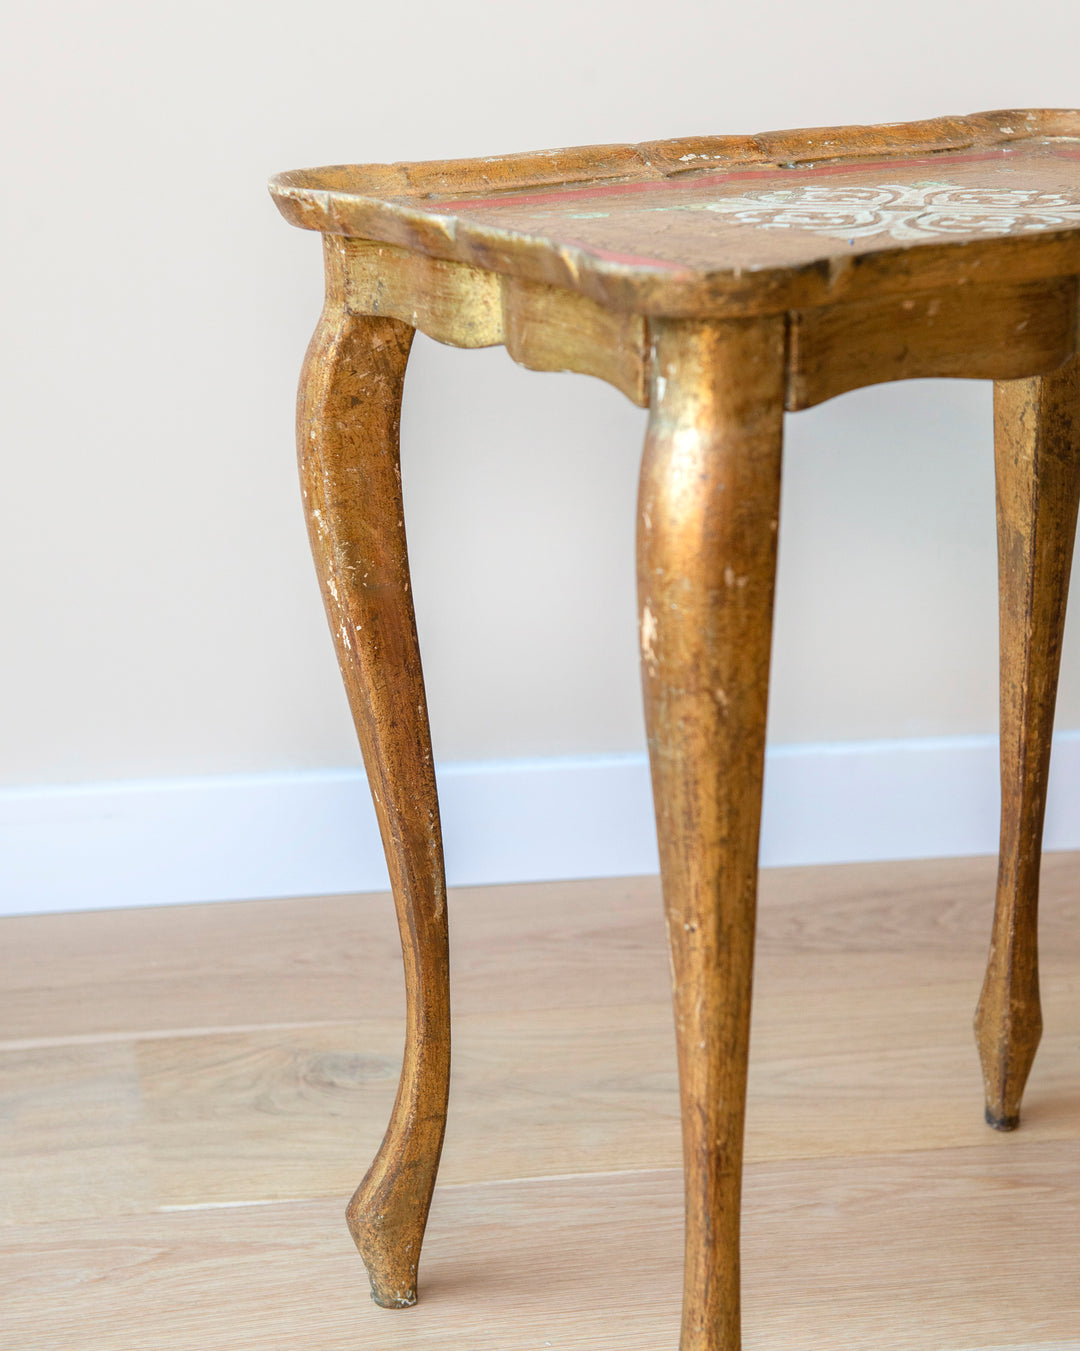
(707, 181)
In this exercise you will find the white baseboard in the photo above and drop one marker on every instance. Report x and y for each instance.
(165, 842)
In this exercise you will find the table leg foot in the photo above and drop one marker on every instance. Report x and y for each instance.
(707, 531)
(348, 416)
(1037, 455)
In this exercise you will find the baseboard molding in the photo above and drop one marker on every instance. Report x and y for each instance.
(165, 842)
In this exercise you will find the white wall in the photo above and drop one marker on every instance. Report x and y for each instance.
(160, 616)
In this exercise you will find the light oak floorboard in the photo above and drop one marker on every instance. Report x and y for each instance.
(188, 1096)
(72, 1139)
(570, 944)
(288, 1113)
(908, 1253)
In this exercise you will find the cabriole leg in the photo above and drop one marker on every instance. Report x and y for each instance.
(1037, 455)
(707, 531)
(347, 431)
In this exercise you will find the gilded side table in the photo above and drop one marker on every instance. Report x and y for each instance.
(716, 281)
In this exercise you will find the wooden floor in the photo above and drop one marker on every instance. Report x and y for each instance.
(190, 1094)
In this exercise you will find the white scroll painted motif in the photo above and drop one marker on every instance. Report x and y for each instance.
(907, 212)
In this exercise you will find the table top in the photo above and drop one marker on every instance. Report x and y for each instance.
(735, 224)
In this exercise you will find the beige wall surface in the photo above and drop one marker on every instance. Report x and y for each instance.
(160, 615)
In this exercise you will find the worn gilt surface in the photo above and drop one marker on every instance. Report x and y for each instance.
(715, 281)
(735, 225)
(1037, 461)
(347, 438)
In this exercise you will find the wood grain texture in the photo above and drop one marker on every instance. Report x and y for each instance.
(572, 1088)
(451, 302)
(708, 510)
(348, 416)
(543, 327)
(295, 191)
(138, 974)
(309, 1101)
(589, 1263)
(997, 332)
(550, 329)
(875, 1202)
(1037, 458)
(72, 1137)
(636, 228)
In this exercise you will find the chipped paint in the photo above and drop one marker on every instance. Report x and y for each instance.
(882, 202)
(648, 638)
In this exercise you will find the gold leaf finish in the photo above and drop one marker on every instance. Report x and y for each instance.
(715, 281)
